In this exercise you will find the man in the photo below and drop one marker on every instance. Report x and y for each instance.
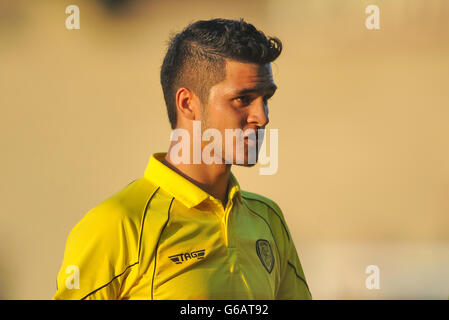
(186, 230)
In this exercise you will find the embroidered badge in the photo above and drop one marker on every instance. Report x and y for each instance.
(265, 254)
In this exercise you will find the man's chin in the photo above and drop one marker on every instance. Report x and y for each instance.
(245, 164)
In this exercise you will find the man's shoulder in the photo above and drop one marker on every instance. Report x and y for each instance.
(255, 198)
(122, 210)
(106, 241)
(267, 208)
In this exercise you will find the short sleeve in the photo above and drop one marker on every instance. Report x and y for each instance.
(98, 256)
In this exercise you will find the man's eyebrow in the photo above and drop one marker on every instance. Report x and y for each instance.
(270, 88)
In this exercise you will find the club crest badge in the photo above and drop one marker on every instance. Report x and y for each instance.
(265, 254)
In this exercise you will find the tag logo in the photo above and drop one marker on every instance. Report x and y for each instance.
(182, 257)
(265, 254)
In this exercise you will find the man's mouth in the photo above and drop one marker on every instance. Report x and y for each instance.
(251, 140)
(250, 133)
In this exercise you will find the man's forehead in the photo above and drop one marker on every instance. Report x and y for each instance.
(249, 75)
(243, 70)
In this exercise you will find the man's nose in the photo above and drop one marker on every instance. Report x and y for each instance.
(259, 113)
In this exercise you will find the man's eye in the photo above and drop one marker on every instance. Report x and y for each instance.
(244, 100)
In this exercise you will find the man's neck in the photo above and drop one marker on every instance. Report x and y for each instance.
(212, 178)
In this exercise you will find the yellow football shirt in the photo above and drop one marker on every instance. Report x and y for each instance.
(162, 237)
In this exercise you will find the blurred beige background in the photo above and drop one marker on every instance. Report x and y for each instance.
(362, 115)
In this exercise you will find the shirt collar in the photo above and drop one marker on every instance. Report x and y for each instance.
(178, 186)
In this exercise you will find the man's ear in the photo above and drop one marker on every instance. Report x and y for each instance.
(187, 104)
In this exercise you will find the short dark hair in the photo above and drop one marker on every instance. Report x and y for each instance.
(195, 57)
